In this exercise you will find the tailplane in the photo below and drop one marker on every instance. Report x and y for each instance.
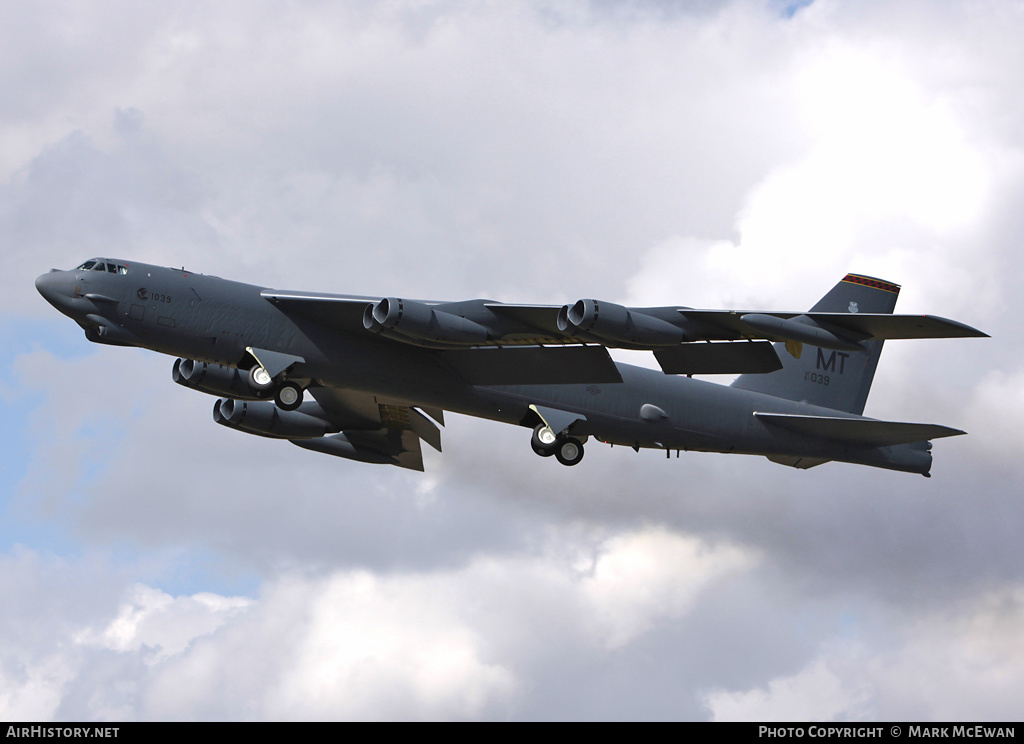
(831, 378)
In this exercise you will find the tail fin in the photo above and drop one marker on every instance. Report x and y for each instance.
(839, 380)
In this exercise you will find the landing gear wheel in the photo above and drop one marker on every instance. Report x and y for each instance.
(259, 379)
(288, 397)
(544, 442)
(570, 451)
(542, 451)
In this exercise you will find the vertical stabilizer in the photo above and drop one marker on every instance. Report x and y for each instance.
(825, 377)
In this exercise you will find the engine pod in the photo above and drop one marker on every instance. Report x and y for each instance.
(616, 325)
(417, 320)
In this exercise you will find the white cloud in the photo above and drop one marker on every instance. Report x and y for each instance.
(994, 413)
(889, 169)
(31, 691)
(816, 693)
(354, 645)
(386, 648)
(656, 575)
(963, 663)
(160, 624)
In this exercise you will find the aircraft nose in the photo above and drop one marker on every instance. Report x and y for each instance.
(54, 288)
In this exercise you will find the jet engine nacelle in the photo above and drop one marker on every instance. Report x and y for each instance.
(267, 420)
(613, 324)
(214, 379)
(419, 321)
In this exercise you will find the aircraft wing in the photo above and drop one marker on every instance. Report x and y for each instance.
(533, 325)
(374, 429)
(523, 325)
(533, 365)
(463, 331)
(860, 326)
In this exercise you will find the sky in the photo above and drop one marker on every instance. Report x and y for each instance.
(745, 153)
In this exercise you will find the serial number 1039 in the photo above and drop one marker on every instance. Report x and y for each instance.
(815, 377)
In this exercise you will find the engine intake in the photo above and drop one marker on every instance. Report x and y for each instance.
(613, 324)
(419, 321)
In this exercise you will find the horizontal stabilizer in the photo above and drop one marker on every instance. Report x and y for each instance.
(533, 365)
(862, 431)
(747, 357)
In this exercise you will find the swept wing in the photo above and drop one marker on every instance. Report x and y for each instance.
(462, 329)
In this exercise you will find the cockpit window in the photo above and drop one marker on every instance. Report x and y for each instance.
(95, 264)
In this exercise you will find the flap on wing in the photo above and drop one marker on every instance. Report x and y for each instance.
(424, 428)
(533, 365)
(434, 412)
(411, 456)
(868, 432)
(745, 357)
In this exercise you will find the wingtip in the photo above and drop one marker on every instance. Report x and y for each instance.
(963, 330)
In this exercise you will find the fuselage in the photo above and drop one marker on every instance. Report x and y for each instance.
(206, 318)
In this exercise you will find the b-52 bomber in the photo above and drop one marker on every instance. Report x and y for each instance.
(380, 371)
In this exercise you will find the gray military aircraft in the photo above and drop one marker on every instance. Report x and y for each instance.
(380, 372)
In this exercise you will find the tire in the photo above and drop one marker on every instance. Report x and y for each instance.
(542, 451)
(544, 442)
(570, 451)
(260, 380)
(288, 397)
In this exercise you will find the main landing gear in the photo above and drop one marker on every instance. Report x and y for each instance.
(567, 450)
(287, 394)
